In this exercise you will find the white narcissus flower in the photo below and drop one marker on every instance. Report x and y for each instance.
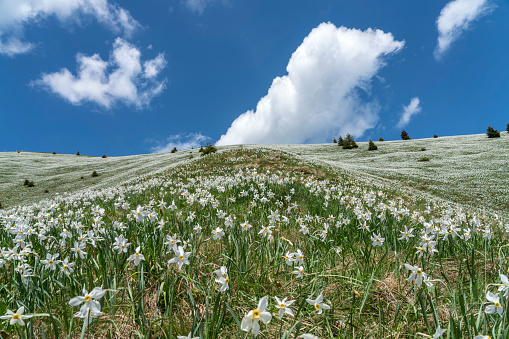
(180, 258)
(187, 337)
(318, 304)
(16, 318)
(299, 271)
(377, 240)
(505, 285)
(496, 306)
(307, 336)
(137, 257)
(439, 332)
(283, 306)
(417, 274)
(91, 306)
(67, 267)
(250, 322)
(51, 261)
(217, 233)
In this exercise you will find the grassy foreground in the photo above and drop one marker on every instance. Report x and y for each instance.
(195, 249)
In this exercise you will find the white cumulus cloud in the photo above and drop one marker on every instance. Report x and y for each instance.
(456, 17)
(320, 96)
(122, 78)
(16, 14)
(181, 142)
(408, 112)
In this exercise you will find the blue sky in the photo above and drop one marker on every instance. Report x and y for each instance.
(132, 77)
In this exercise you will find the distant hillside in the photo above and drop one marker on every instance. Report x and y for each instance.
(471, 170)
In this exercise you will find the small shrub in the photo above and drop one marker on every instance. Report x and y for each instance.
(341, 142)
(78, 153)
(82, 177)
(335, 141)
(94, 174)
(54, 153)
(404, 135)
(381, 139)
(1, 205)
(208, 149)
(423, 159)
(349, 142)
(31, 184)
(104, 156)
(507, 127)
(423, 149)
(492, 133)
(174, 150)
(46, 191)
(25, 183)
(435, 136)
(372, 146)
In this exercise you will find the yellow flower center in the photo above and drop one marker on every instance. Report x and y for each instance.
(181, 257)
(51, 262)
(78, 250)
(226, 281)
(256, 314)
(419, 272)
(87, 298)
(224, 274)
(65, 267)
(16, 316)
(497, 304)
(407, 234)
(282, 305)
(317, 306)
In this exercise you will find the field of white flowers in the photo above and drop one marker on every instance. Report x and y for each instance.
(467, 169)
(247, 243)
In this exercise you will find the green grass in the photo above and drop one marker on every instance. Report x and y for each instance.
(365, 285)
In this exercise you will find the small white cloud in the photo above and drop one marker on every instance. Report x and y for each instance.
(408, 112)
(120, 79)
(320, 96)
(456, 17)
(198, 6)
(181, 142)
(16, 14)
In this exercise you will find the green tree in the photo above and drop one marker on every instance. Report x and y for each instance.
(349, 142)
(341, 142)
(404, 135)
(492, 133)
(372, 146)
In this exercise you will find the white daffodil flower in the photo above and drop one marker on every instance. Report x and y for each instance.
(318, 304)
(16, 318)
(496, 306)
(417, 274)
(439, 332)
(137, 257)
(250, 322)
(91, 306)
(180, 258)
(283, 306)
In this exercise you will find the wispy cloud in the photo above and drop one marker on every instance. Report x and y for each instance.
(16, 14)
(181, 142)
(409, 111)
(123, 78)
(456, 17)
(198, 6)
(319, 97)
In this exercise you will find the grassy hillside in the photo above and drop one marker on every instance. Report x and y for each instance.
(471, 170)
(61, 173)
(302, 241)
